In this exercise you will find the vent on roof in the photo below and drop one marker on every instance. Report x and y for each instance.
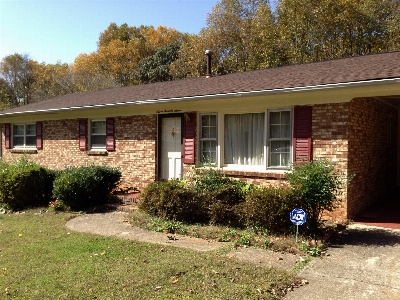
(208, 53)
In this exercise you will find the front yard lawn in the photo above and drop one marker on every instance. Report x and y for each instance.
(41, 259)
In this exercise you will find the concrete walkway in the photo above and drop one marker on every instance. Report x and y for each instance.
(361, 263)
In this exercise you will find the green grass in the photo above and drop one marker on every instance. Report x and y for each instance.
(41, 259)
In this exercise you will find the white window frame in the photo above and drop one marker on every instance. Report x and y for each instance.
(289, 138)
(24, 135)
(201, 139)
(91, 134)
(266, 142)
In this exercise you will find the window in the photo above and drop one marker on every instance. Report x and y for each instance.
(208, 138)
(251, 141)
(244, 139)
(279, 140)
(24, 135)
(98, 134)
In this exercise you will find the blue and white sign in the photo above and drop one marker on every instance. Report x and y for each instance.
(298, 216)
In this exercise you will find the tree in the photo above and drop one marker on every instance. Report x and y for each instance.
(191, 58)
(235, 25)
(52, 80)
(7, 96)
(155, 68)
(47, 80)
(242, 36)
(312, 30)
(114, 32)
(121, 48)
(16, 70)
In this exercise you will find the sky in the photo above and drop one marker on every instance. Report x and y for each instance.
(54, 31)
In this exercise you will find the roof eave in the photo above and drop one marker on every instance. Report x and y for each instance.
(216, 96)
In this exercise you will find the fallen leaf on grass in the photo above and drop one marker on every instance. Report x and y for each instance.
(175, 280)
(159, 287)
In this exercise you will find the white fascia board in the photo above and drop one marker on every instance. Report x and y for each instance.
(223, 95)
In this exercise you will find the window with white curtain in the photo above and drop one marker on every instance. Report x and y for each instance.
(208, 138)
(279, 139)
(24, 135)
(244, 139)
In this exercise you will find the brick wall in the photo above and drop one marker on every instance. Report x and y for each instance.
(330, 141)
(372, 153)
(135, 152)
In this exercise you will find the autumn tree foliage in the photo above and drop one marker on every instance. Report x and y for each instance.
(121, 48)
(314, 30)
(16, 80)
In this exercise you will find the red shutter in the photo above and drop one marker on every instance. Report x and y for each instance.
(189, 134)
(302, 145)
(110, 141)
(7, 135)
(83, 134)
(39, 136)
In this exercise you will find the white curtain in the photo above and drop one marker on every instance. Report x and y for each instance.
(244, 139)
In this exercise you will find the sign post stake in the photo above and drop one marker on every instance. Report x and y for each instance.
(298, 217)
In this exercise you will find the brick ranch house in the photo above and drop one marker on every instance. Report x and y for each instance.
(252, 125)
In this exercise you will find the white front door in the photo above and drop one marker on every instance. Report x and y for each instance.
(171, 148)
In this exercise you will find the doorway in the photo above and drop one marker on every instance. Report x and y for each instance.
(170, 146)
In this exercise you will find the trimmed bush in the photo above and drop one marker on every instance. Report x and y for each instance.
(171, 200)
(269, 208)
(223, 204)
(24, 184)
(82, 188)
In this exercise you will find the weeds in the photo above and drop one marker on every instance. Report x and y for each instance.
(254, 236)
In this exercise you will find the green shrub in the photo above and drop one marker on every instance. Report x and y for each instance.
(171, 200)
(317, 184)
(208, 179)
(24, 184)
(223, 204)
(82, 188)
(269, 208)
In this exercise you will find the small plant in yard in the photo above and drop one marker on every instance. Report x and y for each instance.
(57, 205)
(167, 226)
(312, 250)
(318, 184)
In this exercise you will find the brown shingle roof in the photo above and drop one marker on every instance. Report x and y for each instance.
(354, 69)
